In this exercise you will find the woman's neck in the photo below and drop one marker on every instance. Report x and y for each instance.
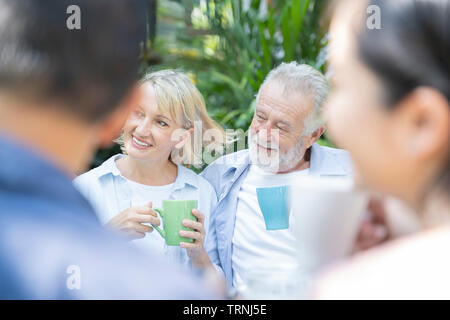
(436, 206)
(152, 173)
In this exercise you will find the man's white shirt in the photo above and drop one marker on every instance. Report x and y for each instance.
(254, 247)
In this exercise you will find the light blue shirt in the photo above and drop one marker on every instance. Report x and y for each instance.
(110, 193)
(227, 174)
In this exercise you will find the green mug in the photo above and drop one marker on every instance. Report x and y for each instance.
(173, 213)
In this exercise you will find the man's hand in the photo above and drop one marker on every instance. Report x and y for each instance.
(130, 221)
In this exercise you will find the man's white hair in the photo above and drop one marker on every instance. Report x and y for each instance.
(304, 79)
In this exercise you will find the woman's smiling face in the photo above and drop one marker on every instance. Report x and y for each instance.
(147, 133)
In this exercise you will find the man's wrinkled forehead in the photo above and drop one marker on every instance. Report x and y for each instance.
(274, 101)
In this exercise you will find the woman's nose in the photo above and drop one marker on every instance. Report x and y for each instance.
(144, 129)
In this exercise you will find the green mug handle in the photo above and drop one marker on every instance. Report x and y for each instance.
(160, 231)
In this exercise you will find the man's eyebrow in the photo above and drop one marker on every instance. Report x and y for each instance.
(285, 123)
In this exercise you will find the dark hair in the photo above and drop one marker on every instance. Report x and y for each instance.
(411, 49)
(85, 71)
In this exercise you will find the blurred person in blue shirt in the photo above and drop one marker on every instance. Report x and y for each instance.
(63, 93)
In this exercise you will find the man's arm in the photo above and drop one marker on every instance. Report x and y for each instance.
(210, 173)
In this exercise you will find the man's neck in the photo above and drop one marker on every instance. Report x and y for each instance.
(63, 140)
(303, 164)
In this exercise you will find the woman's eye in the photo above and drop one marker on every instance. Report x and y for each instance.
(162, 123)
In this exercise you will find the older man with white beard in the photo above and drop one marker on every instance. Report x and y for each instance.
(282, 147)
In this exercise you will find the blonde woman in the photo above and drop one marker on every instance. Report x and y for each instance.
(156, 141)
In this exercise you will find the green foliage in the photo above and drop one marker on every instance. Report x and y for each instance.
(229, 46)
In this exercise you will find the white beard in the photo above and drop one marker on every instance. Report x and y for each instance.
(275, 162)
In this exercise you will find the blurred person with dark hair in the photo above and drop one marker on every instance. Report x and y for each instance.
(390, 108)
(63, 93)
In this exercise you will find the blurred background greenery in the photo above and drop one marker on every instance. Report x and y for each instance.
(227, 48)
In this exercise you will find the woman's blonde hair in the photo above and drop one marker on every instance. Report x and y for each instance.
(177, 96)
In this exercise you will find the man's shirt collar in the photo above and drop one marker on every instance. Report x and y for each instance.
(322, 162)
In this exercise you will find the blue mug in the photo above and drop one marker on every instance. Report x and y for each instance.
(274, 203)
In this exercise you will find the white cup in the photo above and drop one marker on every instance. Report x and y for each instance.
(325, 219)
(273, 284)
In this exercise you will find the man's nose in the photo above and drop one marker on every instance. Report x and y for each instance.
(265, 131)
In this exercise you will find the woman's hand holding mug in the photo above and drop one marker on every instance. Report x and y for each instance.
(196, 250)
(130, 222)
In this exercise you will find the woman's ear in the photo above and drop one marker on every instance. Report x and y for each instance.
(425, 114)
(184, 137)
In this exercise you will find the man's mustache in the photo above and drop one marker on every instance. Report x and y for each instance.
(267, 145)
